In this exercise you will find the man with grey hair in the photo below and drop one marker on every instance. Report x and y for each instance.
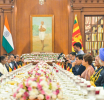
(12, 63)
(100, 76)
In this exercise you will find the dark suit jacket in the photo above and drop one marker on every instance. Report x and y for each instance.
(19, 63)
(16, 65)
(70, 65)
(79, 71)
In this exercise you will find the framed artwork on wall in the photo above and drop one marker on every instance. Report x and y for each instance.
(42, 33)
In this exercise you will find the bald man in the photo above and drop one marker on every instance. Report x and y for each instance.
(42, 30)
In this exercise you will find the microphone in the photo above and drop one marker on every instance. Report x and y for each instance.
(60, 55)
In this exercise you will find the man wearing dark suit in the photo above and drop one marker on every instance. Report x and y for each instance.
(15, 60)
(18, 59)
(12, 64)
(77, 67)
(7, 64)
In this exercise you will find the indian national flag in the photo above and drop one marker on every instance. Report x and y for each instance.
(76, 36)
(7, 41)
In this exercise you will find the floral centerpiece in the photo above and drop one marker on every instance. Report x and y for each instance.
(41, 69)
(39, 85)
(42, 56)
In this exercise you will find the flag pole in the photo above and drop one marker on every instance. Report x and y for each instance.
(75, 15)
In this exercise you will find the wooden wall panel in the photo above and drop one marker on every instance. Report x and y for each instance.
(85, 8)
(7, 9)
(58, 8)
(64, 12)
(10, 21)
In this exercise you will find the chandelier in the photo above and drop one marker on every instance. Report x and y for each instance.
(41, 2)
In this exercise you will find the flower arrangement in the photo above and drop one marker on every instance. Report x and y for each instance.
(39, 86)
(41, 69)
(42, 56)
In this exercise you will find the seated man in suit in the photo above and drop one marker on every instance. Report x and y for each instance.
(12, 64)
(22, 60)
(72, 57)
(77, 67)
(8, 65)
(19, 62)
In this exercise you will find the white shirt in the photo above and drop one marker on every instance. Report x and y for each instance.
(3, 69)
(11, 65)
(42, 34)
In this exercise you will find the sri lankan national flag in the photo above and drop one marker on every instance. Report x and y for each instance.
(76, 36)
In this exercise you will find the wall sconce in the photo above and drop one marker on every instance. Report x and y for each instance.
(41, 2)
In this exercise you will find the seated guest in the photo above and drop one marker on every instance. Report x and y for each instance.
(100, 77)
(22, 60)
(15, 58)
(6, 56)
(78, 48)
(87, 61)
(8, 65)
(15, 63)
(99, 68)
(72, 57)
(66, 62)
(3, 69)
(78, 68)
(18, 60)
(12, 63)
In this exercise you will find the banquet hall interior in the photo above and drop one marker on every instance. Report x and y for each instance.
(51, 49)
